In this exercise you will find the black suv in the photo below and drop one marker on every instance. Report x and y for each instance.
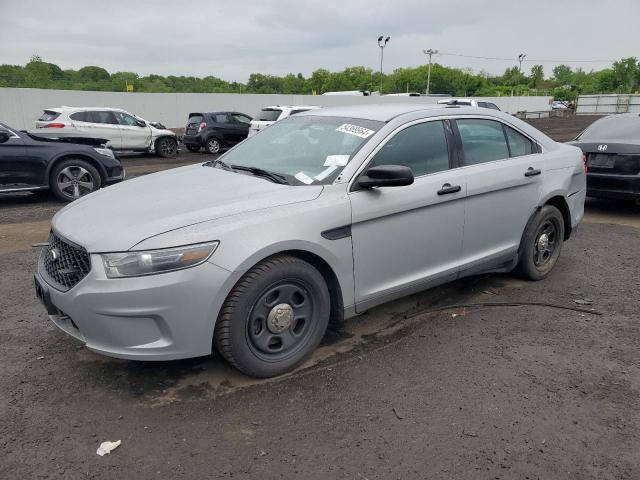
(70, 167)
(215, 130)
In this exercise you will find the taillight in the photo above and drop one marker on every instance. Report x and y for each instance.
(202, 126)
(55, 125)
(584, 162)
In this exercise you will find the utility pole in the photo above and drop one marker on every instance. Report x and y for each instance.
(382, 44)
(429, 52)
(520, 59)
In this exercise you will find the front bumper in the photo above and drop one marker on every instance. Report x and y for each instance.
(604, 185)
(158, 317)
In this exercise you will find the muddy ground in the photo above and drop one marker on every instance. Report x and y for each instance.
(517, 390)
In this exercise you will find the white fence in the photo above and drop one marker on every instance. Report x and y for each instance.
(19, 107)
(606, 104)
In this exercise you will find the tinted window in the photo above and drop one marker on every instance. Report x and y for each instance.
(518, 144)
(126, 119)
(102, 117)
(48, 115)
(300, 110)
(482, 141)
(79, 116)
(220, 118)
(483, 104)
(421, 147)
(195, 118)
(493, 106)
(614, 127)
(268, 115)
(241, 118)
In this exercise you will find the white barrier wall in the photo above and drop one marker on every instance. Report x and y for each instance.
(605, 104)
(19, 107)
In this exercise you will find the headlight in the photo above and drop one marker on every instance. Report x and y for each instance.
(104, 151)
(134, 264)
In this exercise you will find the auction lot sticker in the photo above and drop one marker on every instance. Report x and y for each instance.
(355, 130)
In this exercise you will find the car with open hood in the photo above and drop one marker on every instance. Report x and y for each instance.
(69, 167)
(318, 218)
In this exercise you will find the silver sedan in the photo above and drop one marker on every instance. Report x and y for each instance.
(315, 219)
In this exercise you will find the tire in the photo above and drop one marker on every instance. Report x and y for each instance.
(74, 178)
(193, 148)
(213, 145)
(541, 244)
(166, 147)
(274, 317)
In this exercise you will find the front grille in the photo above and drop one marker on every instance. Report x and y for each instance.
(63, 263)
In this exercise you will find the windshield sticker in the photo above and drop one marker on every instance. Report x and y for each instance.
(337, 160)
(355, 130)
(304, 178)
(326, 172)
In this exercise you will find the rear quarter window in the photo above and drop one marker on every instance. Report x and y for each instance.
(48, 115)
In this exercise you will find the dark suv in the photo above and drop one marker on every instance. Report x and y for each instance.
(215, 130)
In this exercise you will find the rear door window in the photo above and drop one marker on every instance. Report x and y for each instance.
(103, 117)
(268, 115)
(421, 147)
(48, 115)
(221, 118)
(482, 141)
(79, 116)
(519, 145)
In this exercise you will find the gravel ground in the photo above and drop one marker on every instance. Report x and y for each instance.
(406, 391)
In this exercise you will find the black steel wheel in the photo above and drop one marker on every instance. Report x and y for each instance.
(541, 243)
(274, 317)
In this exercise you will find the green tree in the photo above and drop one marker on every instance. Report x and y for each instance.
(537, 76)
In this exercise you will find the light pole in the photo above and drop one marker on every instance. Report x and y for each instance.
(429, 52)
(520, 59)
(382, 44)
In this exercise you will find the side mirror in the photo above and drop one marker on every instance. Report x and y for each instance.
(141, 123)
(4, 136)
(386, 176)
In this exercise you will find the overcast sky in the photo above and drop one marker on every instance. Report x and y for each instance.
(231, 39)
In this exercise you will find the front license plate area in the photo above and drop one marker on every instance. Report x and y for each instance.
(42, 292)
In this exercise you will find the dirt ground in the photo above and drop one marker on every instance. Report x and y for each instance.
(434, 386)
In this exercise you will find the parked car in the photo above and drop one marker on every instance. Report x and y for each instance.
(270, 115)
(68, 167)
(469, 102)
(611, 146)
(215, 130)
(322, 216)
(352, 93)
(123, 130)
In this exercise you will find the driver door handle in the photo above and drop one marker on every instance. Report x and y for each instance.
(532, 172)
(448, 188)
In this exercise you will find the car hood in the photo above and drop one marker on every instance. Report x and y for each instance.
(119, 217)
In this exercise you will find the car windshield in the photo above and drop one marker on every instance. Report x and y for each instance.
(625, 128)
(306, 150)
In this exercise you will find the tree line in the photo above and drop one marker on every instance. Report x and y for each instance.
(564, 83)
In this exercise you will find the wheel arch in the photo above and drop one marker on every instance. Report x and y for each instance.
(561, 204)
(80, 156)
(162, 136)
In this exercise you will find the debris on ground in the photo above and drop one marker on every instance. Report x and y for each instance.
(107, 447)
(583, 301)
(397, 413)
(469, 434)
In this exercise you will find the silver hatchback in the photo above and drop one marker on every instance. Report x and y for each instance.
(315, 219)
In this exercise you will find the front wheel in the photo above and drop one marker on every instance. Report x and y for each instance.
(541, 244)
(274, 317)
(74, 178)
(167, 147)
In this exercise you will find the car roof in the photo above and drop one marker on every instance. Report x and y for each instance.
(292, 107)
(65, 108)
(386, 112)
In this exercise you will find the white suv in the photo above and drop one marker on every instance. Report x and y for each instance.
(123, 130)
(270, 115)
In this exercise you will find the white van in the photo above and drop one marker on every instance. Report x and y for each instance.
(270, 115)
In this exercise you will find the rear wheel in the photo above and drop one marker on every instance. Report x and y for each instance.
(541, 244)
(74, 178)
(274, 317)
(167, 147)
(213, 145)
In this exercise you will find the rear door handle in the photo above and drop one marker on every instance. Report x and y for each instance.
(448, 188)
(532, 172)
